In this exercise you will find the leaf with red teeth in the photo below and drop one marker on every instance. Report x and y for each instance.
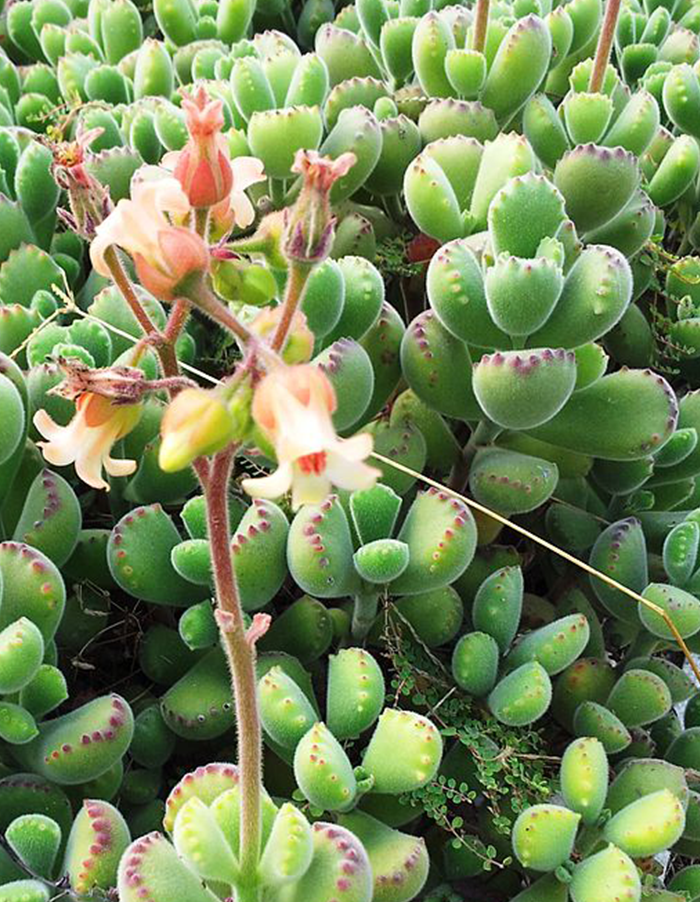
(33, 588)
(319, 550)
(340, 869)
(596, 182)
(399, 862)
(21, 654)
(511, 483)
(624, 416)
(522, 390)
(205, 783)
(441, 536)
(151, 871)
(421, 752)
(82, 744)
(139, 552)
(596, 294)
(97, 839)
(520, 64)
(51, 517)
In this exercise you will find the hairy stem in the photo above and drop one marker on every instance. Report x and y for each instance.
(481, 25)
(199, 293)
(605, 40)
(164, 343)
(176, 321)
(296, 282)
(121, 280)
(241, 659)
(201, 221)
(181, 308)
(164, 346)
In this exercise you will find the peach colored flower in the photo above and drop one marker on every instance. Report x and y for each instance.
(293, 406)
(203, 167)
(163, 254)
(88, 439)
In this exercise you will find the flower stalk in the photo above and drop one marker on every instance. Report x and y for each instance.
(605, 42)
(240, 654)
(481, 25)
(296, 283)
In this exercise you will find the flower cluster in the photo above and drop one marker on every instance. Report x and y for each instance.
(158, 226)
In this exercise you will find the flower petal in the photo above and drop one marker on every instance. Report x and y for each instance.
(243, 210)
(273, 486)
(348, 475)
(247, 171)
(309, 488)
(89, 469)
(358, 447)
(116, 467)
(46, 427)
(56, 454)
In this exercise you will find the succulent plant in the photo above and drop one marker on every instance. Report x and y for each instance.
(392, 382)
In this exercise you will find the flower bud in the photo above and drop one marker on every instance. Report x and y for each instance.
(196, 423)
(310, 225)
(299, 346)
(236, 210)
(182, 253)
(239, 407)
(236, 279)
(267, 240)
(203, 167)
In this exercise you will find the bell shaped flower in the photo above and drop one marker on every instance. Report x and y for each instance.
(202, 166)
(293, 407)
(88, 439)
(163, 253)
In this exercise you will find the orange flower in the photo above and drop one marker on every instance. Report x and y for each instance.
(203, 167)
(293, 406)
(88, 439)
(163, 254)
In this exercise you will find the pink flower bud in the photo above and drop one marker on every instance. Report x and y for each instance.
(183, 252)
(203, 167)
